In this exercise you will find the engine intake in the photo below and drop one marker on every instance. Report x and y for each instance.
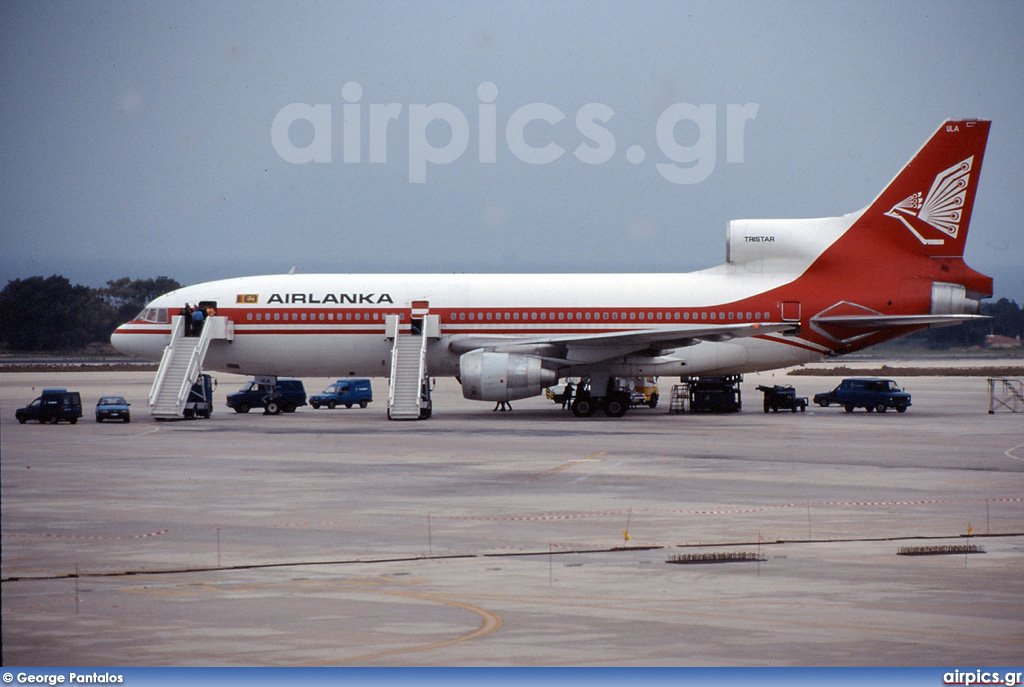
(490, 376)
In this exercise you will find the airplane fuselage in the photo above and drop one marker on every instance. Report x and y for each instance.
(334, 324)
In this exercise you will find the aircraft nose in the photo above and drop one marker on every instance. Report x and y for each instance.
(122, 341)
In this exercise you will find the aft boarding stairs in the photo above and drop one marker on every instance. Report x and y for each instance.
(181, 365)
(408, 370)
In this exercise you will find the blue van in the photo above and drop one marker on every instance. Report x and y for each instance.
(284, 396)
(869, 393)
(53, 406)
(347, 392)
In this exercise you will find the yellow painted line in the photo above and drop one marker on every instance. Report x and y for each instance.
(566, 466)
(491, 622)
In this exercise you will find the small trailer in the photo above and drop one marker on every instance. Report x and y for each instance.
(780, 397)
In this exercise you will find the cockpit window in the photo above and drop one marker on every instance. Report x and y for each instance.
(154, 315)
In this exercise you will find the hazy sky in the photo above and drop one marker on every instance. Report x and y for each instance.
(138, 138)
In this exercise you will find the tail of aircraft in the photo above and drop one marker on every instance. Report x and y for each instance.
(933, 196)
(898, 264)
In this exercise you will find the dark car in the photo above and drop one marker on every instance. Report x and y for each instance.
(868, 393)
(113, 408)
(346, 392)
(284, 396)
(53, 406)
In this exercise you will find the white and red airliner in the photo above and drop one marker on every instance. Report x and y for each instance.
(790, 292)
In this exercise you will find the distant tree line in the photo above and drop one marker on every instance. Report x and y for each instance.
(1007, 319)
(51, 314)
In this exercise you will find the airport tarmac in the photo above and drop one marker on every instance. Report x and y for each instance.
(482, 538)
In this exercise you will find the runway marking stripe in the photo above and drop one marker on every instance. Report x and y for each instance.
(542, 517)
(89, 536)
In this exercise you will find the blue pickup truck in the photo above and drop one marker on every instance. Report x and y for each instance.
(346, 392)
(869, 393)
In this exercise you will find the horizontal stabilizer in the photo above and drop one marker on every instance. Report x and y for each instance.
(888, 321)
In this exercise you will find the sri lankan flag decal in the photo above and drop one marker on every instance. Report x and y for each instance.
(248, 298)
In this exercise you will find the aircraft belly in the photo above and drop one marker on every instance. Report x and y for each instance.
(310, 355)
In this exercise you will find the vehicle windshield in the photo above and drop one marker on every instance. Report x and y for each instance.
(336, 388)
(112, 401)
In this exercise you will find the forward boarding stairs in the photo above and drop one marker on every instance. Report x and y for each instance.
(409, 363)
(182, 364)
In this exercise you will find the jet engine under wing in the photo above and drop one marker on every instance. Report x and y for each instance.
(613, 344)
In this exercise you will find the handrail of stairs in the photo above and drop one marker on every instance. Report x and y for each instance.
(177, 331)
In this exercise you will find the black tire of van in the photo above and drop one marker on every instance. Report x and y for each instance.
(242, 408)
(272, 408)
(363, 403)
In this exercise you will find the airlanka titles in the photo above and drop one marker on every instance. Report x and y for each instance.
(335, 298)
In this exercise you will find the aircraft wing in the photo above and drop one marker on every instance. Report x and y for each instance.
(619, 343)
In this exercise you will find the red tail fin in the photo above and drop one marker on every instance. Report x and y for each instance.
(927, 207)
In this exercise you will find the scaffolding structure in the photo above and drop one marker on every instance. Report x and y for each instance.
(1005, 393)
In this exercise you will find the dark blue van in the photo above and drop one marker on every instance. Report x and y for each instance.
(346, 392)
